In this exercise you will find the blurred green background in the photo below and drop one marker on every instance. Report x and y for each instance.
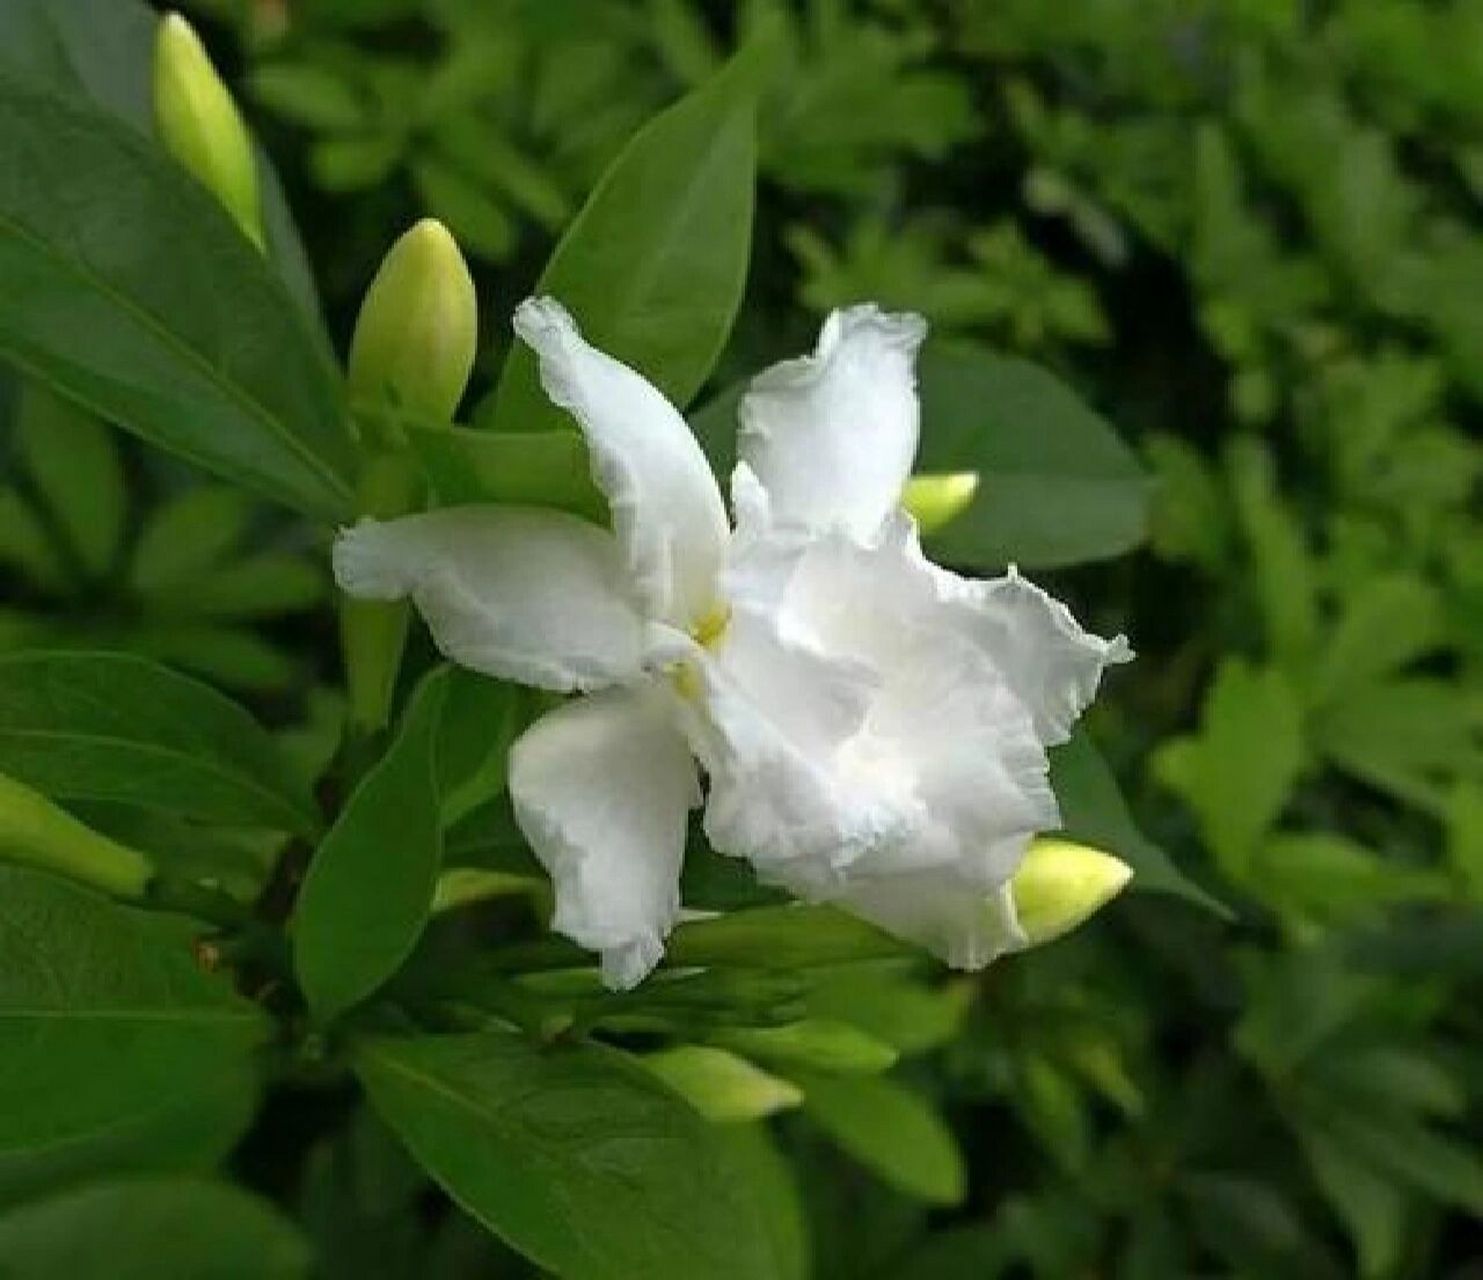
(1248, 232)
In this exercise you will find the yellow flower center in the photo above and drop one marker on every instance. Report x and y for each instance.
(707, 633)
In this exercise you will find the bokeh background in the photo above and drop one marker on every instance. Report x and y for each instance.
(1248, 232)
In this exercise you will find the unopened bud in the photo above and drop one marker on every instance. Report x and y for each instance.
(36, 833)
(418, 326)
(935, 498)
(1060, 884)
(200, 125)
(722, 1087)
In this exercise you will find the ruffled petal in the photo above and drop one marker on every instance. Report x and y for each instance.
(667, 508)
(831, 436)
(514, 592)
(1053, 666)
(959, 924)
(601, 788)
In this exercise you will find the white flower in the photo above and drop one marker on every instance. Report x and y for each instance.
(872, 727)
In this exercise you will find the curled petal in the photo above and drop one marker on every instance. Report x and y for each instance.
(601, 789)
(1053, 666)
(514, 592)
(667, 509)
(831, 436)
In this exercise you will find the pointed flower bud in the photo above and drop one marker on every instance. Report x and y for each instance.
(934, 498)
(36, 833)
(200, 125)
(1060, 884)
(415, 336)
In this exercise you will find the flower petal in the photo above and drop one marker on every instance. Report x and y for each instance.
(832, 436)
(514, 592)
(667, 509)
(960, 924)
(601, 789)
(1053, 666)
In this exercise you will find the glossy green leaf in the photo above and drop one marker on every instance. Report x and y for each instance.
(572, 1153)
(774, 1183)
(1095, 813)
(103, 1015)
(481, 719)
(74, 463)
(370, 887)
(146, 1228)
(104, 726)
(654, 265)
(107, 240)
(103, 50)
(891, 1130)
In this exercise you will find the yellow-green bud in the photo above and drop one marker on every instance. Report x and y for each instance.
(200, 125)
(1060, 884)
(934, 498)
(418, 326)
(35, 832)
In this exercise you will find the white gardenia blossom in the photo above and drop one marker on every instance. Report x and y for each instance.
(872, 728)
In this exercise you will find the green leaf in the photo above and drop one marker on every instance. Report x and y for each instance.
(894, 1008)
(823, 1046)
(273, 582)
(1373, 1208)
(142, 1229)
(103, 1014)
(891, 1130)
(103, 51)
(770, 1176)
(190, 1128)
(481, 719)
(124, 262)
(654, 265)
(74, 464)
(720, 1085)
(534, 468)
(1057, 484)
(572, 1153)
(1094, 813)
(1388, 623)
(100, 726)
(370, 886)
(795, 936)
(1239, 772)
(185, 538)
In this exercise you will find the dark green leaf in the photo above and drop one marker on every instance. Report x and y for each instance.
(654, 265)
(143, 1229)
(540, 468)
(1057, 485)
(104, 1016)
(126, 264)
(370, 887)
(573, 1154)
(99, 726)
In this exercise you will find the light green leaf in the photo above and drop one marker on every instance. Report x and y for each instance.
(1388, 623)
(823, 1046)
(763, 1168)
(894, 1008)
(1094, 813)
(99, 726)
(891, 1130)
(370, 887)
(654, 265)
(794, 936)
(572, 1153)
(1238, 773)
(145, 1228)
(103, 1014)
(74, 464)
(132, 326)
(1372, 1206)
(720, 1085)
(481, 719)
(185, 538)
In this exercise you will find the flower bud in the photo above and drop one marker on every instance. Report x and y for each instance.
(1060, 884)
(935, 498)
(200, 125)
(36, 833)
(415, 335)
